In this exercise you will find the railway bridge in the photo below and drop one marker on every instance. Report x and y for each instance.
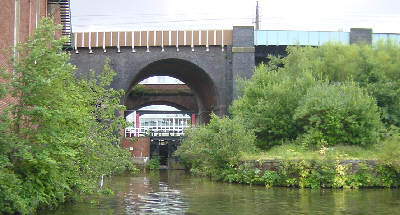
(207, 61)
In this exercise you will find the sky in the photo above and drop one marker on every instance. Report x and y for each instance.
(161, 80)
(383, 16)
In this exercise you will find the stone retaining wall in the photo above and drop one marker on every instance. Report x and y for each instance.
(272, 165)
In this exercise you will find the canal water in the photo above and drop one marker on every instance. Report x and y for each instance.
(174, 192)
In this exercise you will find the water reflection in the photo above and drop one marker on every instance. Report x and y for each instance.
(174, 192)
(144, 197)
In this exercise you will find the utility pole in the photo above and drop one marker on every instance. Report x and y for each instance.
(257, 18)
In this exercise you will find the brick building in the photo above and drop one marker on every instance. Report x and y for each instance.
(18, 20)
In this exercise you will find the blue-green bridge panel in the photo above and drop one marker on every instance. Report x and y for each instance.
(385, 36)
(304, 38)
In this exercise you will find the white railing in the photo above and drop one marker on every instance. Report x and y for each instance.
(155, 131)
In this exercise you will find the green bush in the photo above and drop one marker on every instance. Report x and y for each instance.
(154, 163)
(341, 113)
(11, 194)
(376, 68)
(389, 152)
(268, 104)
(270, 101)
(211, 147)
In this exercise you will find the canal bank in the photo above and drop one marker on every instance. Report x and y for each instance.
(316, 174)
(326, 170)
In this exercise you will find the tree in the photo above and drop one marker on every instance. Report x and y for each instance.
(375, 68)
(268, 104)
(300, 93)
(61, 133)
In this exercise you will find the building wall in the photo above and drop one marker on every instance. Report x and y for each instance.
(141, 146)
(6, 37)
(18, 19)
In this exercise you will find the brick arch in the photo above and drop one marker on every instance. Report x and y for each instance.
(208, 73)
(180, 105)
(203, 88)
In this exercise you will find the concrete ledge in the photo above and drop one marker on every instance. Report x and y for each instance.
(140, 160)
(243, 49)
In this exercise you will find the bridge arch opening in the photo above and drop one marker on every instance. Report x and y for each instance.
(195, 78)
(164, 125)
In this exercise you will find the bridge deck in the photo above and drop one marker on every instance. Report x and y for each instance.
(152, 38)
(212, 38)
(310, 38)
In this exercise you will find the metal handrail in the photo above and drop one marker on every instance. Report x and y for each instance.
(156, 131)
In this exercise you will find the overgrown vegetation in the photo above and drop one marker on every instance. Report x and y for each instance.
(314, 174)
(208, 148)
(375, 68)
(154, 163)
(340, 113)
(138, 90)
(301, 102)
(268, 104)
(389, 150)
(61, 134)
(335, 99)
(299, 152)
